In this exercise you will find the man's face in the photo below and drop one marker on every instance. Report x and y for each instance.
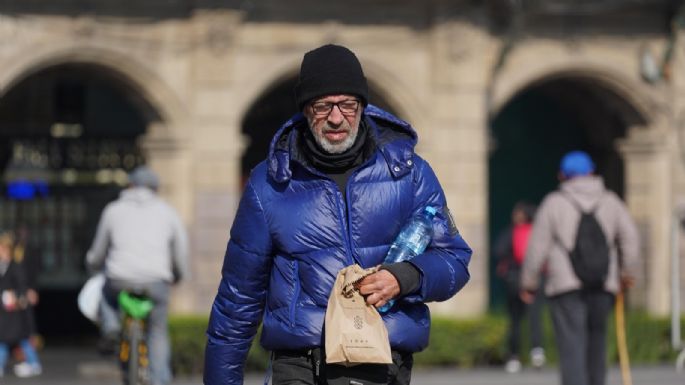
(334, 131)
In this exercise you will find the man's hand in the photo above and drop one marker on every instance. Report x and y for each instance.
(32, 297)
(627, 282)
(379, 288)
(527, 296)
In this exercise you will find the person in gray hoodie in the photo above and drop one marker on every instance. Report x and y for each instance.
(579, 314)
(142, 245)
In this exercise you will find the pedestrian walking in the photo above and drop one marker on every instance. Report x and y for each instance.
(586, 237)
(340, 180)
(27, 256)
(510, 248)
(15, 319)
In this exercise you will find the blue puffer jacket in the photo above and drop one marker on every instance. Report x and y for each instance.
(292, 234)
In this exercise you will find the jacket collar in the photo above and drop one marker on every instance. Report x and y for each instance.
(395, 139)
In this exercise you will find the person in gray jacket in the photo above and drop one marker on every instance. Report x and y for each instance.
(142, 245)
(579, 314)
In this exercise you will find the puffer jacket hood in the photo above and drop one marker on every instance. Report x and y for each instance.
(294, 231)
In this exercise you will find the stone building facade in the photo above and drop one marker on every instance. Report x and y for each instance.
(194, 70)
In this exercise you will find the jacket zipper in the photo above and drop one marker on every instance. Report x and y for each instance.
(293, 304)
(348, 235)
(344, 222)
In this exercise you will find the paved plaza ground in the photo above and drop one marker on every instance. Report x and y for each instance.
(84, 367)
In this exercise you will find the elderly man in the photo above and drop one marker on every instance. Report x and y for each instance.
(340, 180)
(581, 292)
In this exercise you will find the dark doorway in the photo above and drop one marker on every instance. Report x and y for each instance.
(67, 139)
(266, 115)
(531, 134)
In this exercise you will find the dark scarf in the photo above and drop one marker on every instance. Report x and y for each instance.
(338, 167)
(334, 163)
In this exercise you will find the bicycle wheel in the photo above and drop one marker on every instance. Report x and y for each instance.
(143, 356)
(124, 349)
(134, 338)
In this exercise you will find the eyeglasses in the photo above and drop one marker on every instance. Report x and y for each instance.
(347, 107)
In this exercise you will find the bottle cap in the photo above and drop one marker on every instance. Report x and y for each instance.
(431, 210)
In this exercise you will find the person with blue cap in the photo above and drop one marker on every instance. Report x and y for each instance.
(141, 244)
(576, 163)
(589, 244)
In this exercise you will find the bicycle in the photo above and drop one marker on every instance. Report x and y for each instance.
(133, 349)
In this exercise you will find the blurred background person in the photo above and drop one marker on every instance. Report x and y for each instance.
(142, 245)
(581, 291)
(15, 327)
(510, 249)
(27, 256)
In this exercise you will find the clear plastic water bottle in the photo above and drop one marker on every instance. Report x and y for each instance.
(411, 241)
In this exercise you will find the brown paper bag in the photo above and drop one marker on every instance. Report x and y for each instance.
(355, 332)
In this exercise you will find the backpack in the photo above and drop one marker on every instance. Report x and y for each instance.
(590, 253)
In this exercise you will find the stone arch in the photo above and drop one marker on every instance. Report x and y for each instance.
(395, 92)
(636, 96)
(159, 133)
(592, 97)
(165, 139)
(133, 74)
(262, 79)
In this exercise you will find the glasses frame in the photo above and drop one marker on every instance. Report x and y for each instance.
(329, 107)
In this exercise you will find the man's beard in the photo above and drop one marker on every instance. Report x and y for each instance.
(335, 148)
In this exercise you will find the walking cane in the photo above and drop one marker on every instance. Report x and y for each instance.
(623, 359)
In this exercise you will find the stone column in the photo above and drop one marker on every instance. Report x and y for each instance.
(170, 158)
(648, 162)
(456, 148)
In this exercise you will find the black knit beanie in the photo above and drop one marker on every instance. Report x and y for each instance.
(329, 70)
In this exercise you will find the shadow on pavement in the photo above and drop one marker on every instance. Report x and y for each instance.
(81, 366)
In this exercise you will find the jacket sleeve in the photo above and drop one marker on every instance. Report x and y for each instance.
(95, 258)
(628, 240)
(239, 304)
(444, 264)
(539, 246)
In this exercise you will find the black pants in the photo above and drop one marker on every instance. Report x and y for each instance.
(580, 326)
(310, 368)
(517, 310)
